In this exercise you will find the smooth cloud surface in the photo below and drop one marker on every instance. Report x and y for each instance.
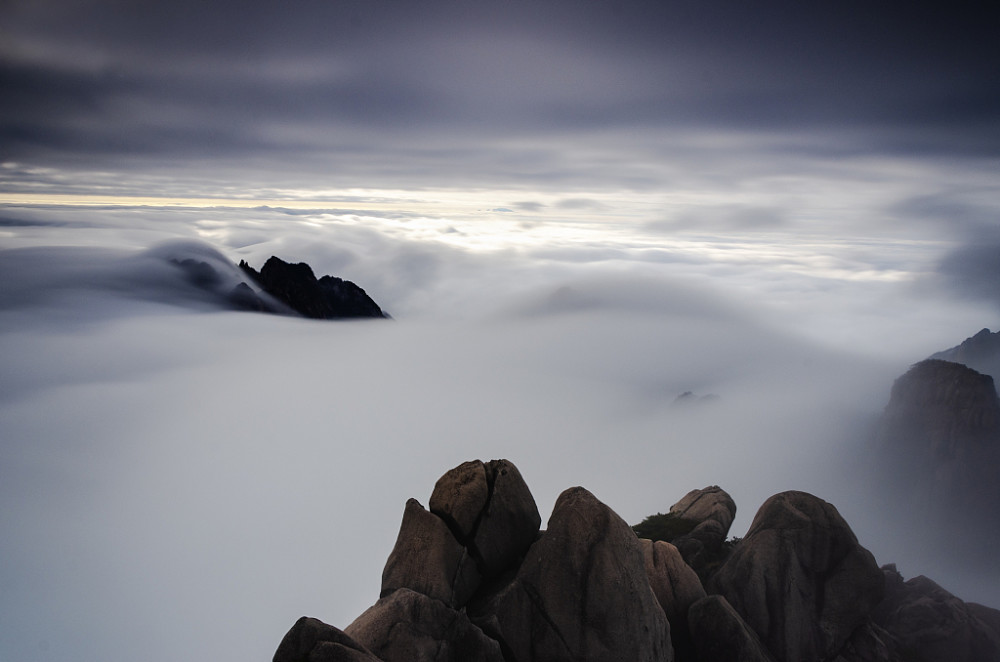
(186, 483)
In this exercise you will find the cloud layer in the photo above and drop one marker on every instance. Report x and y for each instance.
(189, 482)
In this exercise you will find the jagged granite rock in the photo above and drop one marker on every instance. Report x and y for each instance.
(428, 559)
(581, 593)
(931, 624)
(509, 524)
(407, 626)
(311, 640)
(711, 511)
(491, 510)
(460, 497)
(800, 579)
(296, 286)
(798, 588)
(720, 635)
(676, 587)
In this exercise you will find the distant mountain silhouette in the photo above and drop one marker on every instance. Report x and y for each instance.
(980, 352)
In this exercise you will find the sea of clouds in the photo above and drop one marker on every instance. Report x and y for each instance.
(183, 482)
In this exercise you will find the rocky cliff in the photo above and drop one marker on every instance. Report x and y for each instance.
(475, 578)
(939, 448)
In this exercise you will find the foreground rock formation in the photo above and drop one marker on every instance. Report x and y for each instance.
(474, 578)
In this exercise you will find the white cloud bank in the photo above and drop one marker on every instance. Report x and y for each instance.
(183, 484)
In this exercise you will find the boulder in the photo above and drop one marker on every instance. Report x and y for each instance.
(490, 510)
(582, 592)
(800, 579)
(428, 559)
(460, 497)
(710, 512)
(509, 523)
(720, 635)
(407, 626)
(932, 624)
(676, 587)
(311, 640)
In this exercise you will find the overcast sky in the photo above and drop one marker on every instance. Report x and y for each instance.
(593, 95)
(575, 211)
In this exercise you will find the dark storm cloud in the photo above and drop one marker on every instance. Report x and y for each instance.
(400, 90)
(973, 270)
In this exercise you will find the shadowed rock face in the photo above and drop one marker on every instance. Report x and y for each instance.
(720, 635)
(798, 588)
(711, 510)
(428, 559)
(296, 286)
(313, 640)
(676, 587)
(800, 579)
(407, 626)
(581, 593)
(929, 623)
(939, 446)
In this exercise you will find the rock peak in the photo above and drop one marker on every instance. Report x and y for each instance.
(296, 286)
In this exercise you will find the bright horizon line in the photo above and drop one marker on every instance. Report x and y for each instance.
(81, 200)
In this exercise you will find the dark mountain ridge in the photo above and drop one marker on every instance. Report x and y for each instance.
(980, 352)
(296, 286)
(279, 288)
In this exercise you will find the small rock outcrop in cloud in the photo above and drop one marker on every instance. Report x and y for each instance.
(798, 588)
(296, 286)
(188, 272)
